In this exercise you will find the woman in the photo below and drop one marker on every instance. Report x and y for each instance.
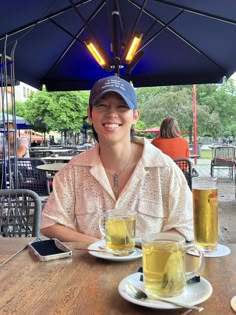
(169, 141)
(119, 172)
(22, 143)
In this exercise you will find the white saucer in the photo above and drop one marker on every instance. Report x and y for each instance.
(136, 254)
(220, 251)
(193, 293)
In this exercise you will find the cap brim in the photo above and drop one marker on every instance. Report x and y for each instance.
(127, 101)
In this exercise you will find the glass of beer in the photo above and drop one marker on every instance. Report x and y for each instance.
(205, 212)
(118, 226)
(164, 264)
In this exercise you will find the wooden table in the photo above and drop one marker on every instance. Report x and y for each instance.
(87, 285)
(53, 167)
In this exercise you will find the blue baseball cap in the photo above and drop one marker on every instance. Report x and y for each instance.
(113, 84)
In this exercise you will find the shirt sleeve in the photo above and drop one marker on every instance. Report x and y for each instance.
(60, 205)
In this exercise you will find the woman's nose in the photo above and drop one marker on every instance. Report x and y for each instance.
(112, 110)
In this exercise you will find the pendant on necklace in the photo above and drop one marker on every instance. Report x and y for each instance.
(115, 181)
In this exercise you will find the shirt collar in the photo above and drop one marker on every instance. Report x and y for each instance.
(151, 157)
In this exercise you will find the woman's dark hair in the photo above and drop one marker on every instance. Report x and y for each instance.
(169, 128)
(95, 135)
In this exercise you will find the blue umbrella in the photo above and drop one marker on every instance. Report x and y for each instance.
(21, 123)
(182, 42)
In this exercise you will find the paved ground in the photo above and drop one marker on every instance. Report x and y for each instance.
(227, 201)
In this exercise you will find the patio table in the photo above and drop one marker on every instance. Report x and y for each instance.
(84, 284)
(53, 167)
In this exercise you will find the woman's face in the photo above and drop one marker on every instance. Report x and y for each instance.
(112, 118)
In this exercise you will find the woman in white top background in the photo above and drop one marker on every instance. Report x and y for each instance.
(22, 143)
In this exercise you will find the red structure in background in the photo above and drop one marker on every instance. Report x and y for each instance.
(195, 123)
(155, 130)
(32, 136)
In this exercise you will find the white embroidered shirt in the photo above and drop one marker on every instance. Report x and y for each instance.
(157, 191)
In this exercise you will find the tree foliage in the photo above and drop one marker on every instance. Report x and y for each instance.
(56, 111)
(216, 108)
(220, 98)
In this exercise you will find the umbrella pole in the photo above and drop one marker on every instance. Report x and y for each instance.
(195, 123)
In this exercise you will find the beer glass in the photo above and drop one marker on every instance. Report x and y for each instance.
(118, 226)
(164, 260)
(205, 212)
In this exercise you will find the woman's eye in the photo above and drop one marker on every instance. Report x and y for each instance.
(123, 106)
(100, 105)
(106, 107)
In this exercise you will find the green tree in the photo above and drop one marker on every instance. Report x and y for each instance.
(55, 111)
(177, 102)
(216, 108)
(168, 103)
(220, 98)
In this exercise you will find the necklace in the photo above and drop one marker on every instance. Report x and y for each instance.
(116, 176)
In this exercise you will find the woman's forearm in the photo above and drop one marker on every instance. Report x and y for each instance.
(66, 234)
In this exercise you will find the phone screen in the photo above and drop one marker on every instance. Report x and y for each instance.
(46, 247)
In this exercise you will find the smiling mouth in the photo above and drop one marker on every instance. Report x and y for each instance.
(113, 125)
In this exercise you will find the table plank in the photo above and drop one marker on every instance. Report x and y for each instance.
(9, 246)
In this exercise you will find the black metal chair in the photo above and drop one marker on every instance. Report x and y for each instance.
(223, 159)
(186, 167)
(29, 177)
(20, 213)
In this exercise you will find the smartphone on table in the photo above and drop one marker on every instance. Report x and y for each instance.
(50, 249)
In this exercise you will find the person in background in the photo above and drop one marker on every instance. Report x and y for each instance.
(22, 143)
(120, 171)
(35, 143)
(169, 141)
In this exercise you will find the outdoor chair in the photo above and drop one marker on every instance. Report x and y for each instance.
(186, 167)
(20, 213)
(223, 159)
(29, 177)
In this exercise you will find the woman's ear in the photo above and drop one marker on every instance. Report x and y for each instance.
(89, 113)
(136, 116)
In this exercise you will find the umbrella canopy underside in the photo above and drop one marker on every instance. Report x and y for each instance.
(183, 42)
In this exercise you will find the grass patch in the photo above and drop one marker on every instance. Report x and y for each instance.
(206, 154)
